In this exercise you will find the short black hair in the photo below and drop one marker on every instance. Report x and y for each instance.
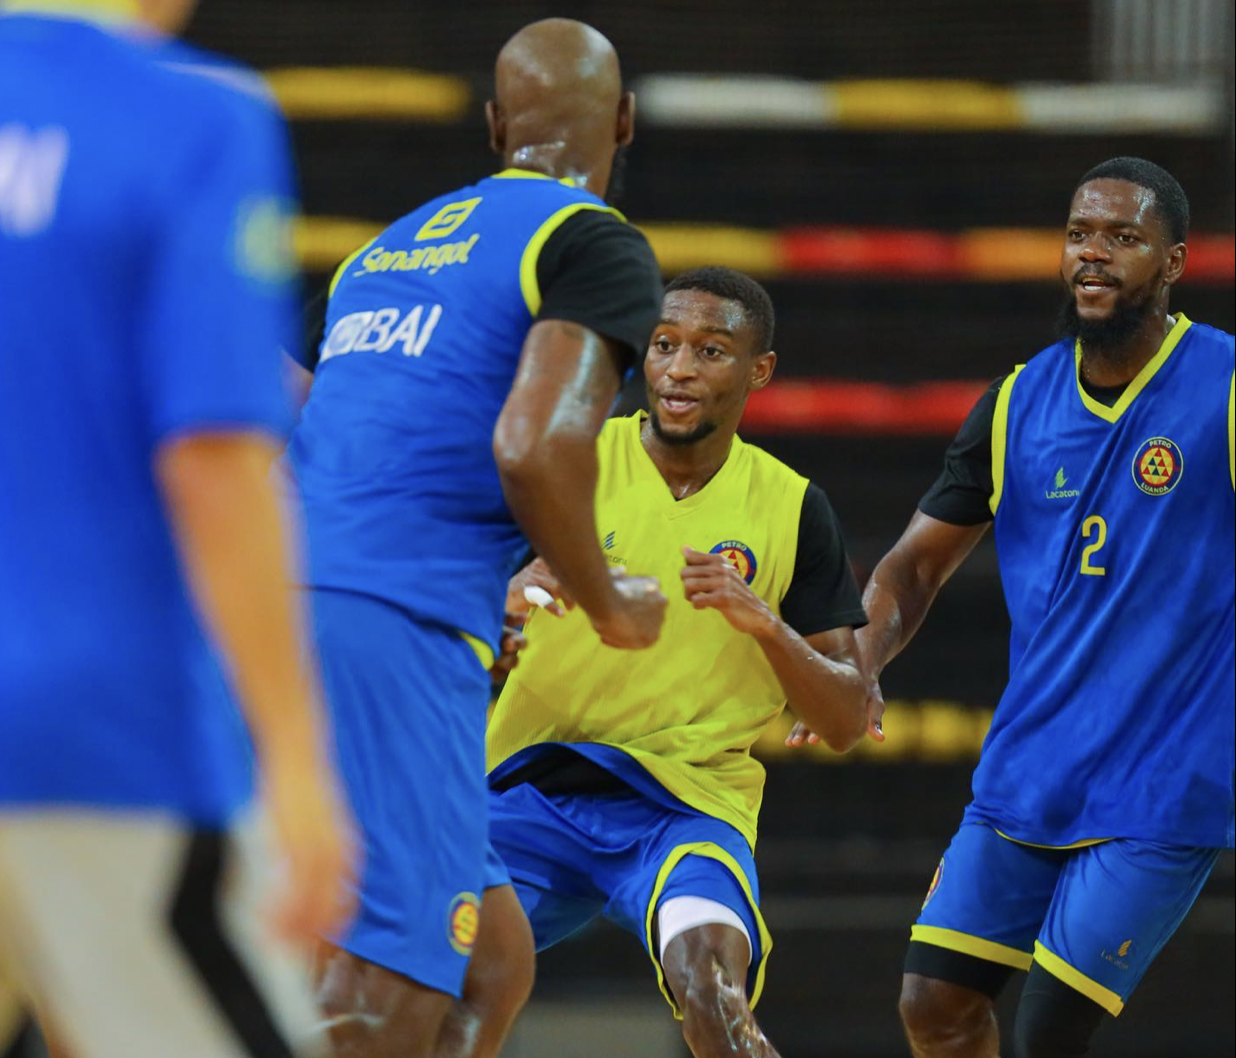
(1170, 201)
(733, 285)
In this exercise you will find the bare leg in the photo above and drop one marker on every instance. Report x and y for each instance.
(499, 982)
(944, 1020)
(706, 969)
(374, 1012)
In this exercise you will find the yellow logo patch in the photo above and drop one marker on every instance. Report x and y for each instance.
(463, 920)
(447, 220)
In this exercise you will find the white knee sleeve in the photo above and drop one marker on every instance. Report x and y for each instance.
(681, 913)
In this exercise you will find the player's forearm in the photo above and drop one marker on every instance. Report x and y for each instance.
(233, 541)
(896, 600)
(545, 448)
(828, 694)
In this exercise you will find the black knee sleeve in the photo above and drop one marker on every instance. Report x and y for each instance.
(1053, 1020)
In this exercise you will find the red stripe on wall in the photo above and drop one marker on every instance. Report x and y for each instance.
(925, 408)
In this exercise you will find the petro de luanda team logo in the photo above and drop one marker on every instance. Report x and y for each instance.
(1157, 467)
(738, 555)
(935, 882)
(463, 918)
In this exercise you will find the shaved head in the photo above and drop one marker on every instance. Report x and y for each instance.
(558, 103)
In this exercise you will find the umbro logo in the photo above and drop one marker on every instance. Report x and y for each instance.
(609, 542)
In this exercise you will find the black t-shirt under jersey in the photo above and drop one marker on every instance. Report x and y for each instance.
(595, 270)
(961, 495)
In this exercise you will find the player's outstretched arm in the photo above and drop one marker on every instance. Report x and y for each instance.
(545, 448)
(819, 674)
(897, 598)
(232, 539)
(905, 584)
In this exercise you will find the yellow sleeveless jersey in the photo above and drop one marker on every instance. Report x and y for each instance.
(688, 708)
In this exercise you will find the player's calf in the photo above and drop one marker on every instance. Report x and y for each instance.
(706, 969)
(1054, 1020)
(500, 978)
(944, 1020)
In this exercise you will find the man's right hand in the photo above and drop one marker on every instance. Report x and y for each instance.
(314, 835)
(634, 619)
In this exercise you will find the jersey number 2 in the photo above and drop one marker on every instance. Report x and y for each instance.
(1094, 524)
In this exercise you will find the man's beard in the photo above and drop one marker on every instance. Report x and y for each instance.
(1108, 337)
(701, 430)
(617, 178)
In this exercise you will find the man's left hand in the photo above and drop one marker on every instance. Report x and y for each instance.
(711, 582)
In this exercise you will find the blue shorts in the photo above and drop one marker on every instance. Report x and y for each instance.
(408, 704)
(574, 857)
(1095, 916)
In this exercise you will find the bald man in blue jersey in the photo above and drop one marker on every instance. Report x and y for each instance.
(145, 292)
(471, 353)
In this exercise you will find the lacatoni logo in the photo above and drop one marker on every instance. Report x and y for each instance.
(1057, 490)
(380, 330)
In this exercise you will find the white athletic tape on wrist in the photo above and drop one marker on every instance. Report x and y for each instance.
(681, 913)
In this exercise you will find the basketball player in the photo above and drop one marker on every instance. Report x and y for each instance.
(145, 291)
(471, 354)
(1104, 790)
(623, 786)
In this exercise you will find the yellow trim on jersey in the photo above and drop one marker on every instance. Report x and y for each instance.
(999, 437)
(87, 10)
(713, 852)
(1075, 979)
(532, 252)
(1231, 431)
(344, 265)
(484, 654)
(1083, 844)
(968, 944)
(1140, 382)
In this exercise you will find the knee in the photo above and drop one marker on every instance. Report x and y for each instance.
(503, 967)
(712, 1002)
(1053, 1020)
(936, 1012)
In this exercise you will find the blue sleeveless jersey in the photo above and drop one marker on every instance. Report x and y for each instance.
(1115, 535)
(393, 454)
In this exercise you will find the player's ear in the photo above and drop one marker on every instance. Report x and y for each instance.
(762, 368)
(1176, 257)
(625, 130)
(496, 121)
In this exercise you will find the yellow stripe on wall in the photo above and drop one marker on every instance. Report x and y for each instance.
(1011, 253)
(374, 92)
(322, 242)
(911, 104)
(682, 246)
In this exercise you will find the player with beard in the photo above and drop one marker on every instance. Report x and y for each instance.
(622, 785)
(1103, 793)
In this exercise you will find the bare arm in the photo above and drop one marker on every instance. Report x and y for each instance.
(232, 539)
(819, 674)
(905, 584)
(545, 447)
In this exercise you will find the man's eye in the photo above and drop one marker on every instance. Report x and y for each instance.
(1127, 239)
(663, 345)
(712, 351)
(1075, 234)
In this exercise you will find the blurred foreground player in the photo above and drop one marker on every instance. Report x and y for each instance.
(144, 294)
(623, 786)
(471, 354)
(1104, 791)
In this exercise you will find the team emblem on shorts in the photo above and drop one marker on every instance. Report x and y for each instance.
(462, 921)
(935, 882)
(738, 555)
(1157, 466)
